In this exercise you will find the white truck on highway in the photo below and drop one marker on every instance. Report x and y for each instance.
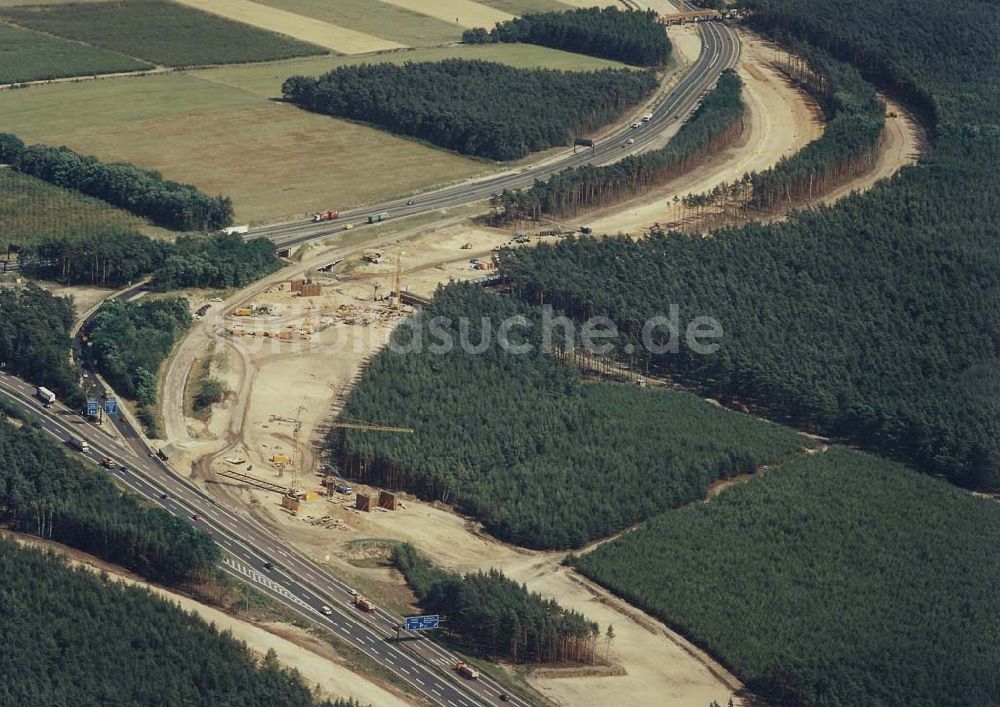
(79, 443)
(45, 395)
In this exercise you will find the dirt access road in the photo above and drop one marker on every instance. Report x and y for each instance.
(780, 120)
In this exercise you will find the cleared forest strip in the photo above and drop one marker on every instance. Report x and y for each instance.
(780, 120)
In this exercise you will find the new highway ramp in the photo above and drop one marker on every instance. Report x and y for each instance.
(252, 554)
(720, 50)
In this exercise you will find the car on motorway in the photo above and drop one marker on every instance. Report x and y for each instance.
(196, 517)
(164, 496)
(269, 566)
(635, 125)
(108, 463)
(630, 141)
(326, 610)
(409, 202)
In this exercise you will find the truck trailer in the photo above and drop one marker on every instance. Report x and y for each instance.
(379, 217)
(45, 395)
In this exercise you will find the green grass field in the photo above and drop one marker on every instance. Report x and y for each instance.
(161, 32)
(266, 79)
(29, 56)
(376, 18)
(215, 128)
(31, 208)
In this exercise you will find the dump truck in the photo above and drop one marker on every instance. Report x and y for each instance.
(363, 604)
(467, 671)
(325, 216)
(45, 395)
(379, 217)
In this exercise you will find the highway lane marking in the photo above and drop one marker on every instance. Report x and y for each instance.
(404, 670)
(421, 682)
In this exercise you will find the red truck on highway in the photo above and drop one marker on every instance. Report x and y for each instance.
(325, 216)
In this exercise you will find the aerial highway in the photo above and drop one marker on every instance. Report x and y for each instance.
(251, 552)
(720, 50)
(254, 555)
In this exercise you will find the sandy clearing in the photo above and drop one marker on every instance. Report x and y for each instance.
(324, 34)
(650, 664)
(295, 647)
(462, 12)
(780, 121)
(903, 141)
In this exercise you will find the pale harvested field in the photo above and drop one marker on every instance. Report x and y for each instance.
(376, 18)
(522, 7)
(216, 129)
(273, 159)
(324, 34)
(316, 661)
(462, 13)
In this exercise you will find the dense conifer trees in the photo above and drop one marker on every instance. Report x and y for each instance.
(474, 107)
(629, 36)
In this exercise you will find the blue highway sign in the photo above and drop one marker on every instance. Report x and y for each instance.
(92, 407)
(111, 406)
(421, 623)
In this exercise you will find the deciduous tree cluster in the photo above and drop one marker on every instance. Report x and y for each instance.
(113, 258)
(34, 339)
(474, 107)
(130, 340)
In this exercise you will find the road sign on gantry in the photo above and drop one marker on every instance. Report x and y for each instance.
(421, 623)
(92, 407)
(111, 406)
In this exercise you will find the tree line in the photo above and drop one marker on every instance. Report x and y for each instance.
(113, 259)
(72, 636)
(34, 339)
(46, 493)
(630, 36)
(774, 578)
(714, 125)
(112, 337)
(474, 107)
(848, 147)
(873, 320)
(142, 192)
(496, 617)
(517, 441)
